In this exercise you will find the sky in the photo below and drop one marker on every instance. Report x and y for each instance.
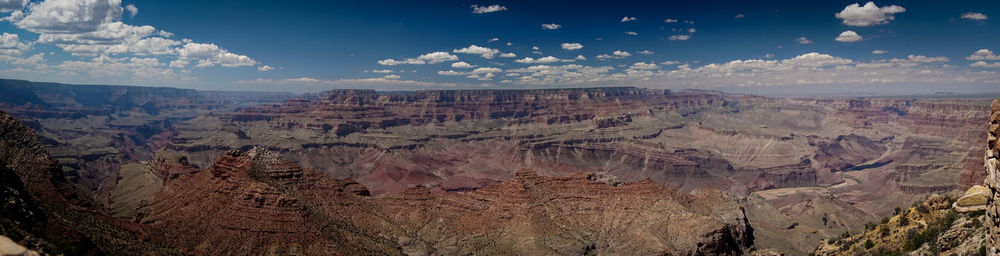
(762, 47)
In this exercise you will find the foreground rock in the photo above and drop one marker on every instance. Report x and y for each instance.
(928, 228)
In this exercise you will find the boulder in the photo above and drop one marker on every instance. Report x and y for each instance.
(973, 200)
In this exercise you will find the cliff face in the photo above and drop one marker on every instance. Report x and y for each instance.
(993, 181)
(254, 202)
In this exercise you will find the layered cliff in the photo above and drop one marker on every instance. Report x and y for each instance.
(256, 202)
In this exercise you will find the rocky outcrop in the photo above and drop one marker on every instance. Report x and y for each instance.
(974, 199)
(931, 227)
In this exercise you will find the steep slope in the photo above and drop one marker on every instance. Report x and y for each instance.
(47, 213)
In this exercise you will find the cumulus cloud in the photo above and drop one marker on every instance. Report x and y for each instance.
(803, 40)
(580, 57)
(868, 15)
(670, 20)
(848, 37)
(974, 16)
(551, 26)
(11, 44)
(462, 64)
(265, 68)
(679, 37)
(477, 9)
(380, 71)
(508, 55)
(12, 5)
(614, 55)
(572, 46)
(983, 54)
(981, 57)
(739, 16)
(208, 55)
(93, 28)
(820, 69)
(391, 83)
(391, 77)
(430, 58)
(132, 10)
(493, 40)
(645, 52)
(627, 19)
(631, 33)
(879, 52)
(485, 52)
(547, 59)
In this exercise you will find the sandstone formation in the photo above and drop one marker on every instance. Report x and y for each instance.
(974, 199)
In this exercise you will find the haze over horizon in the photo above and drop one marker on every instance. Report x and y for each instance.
(777, 48)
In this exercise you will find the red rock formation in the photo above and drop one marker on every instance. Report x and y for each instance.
(256, 202)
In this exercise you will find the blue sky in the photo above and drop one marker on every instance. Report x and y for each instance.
(766, 47)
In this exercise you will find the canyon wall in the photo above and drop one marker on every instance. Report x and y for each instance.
(993, 182)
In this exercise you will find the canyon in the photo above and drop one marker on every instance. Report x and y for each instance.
(545, 171)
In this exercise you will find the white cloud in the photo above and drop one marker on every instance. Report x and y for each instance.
(868, 15)
(485, 52)
(983, 64)
(11, 44)
(679, 37)
(380, 71)
(645, 52)
(132, 10)
(739, 16)
(848, 37)
(627, 19)
(818, 69)
(487, 9)
(614, 55)
(879, 52)
(548, 59)
(631, 33)
(264, 68)
(508, 55)
(94, 28)
(462, 64)
(572, 46)
(484, 70)
(430, 58)
(925, 59)
(670, 62)
(450, 73)
(380, 82)
(12, 5)
(974, 16)
(551, 26)
(983, 54)
(493, 40)
(580, 57)
(803, 40)
(104, 66)
(692, 30)
(391, 77)
(670, 20)
(209, 55)
(179, 63)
